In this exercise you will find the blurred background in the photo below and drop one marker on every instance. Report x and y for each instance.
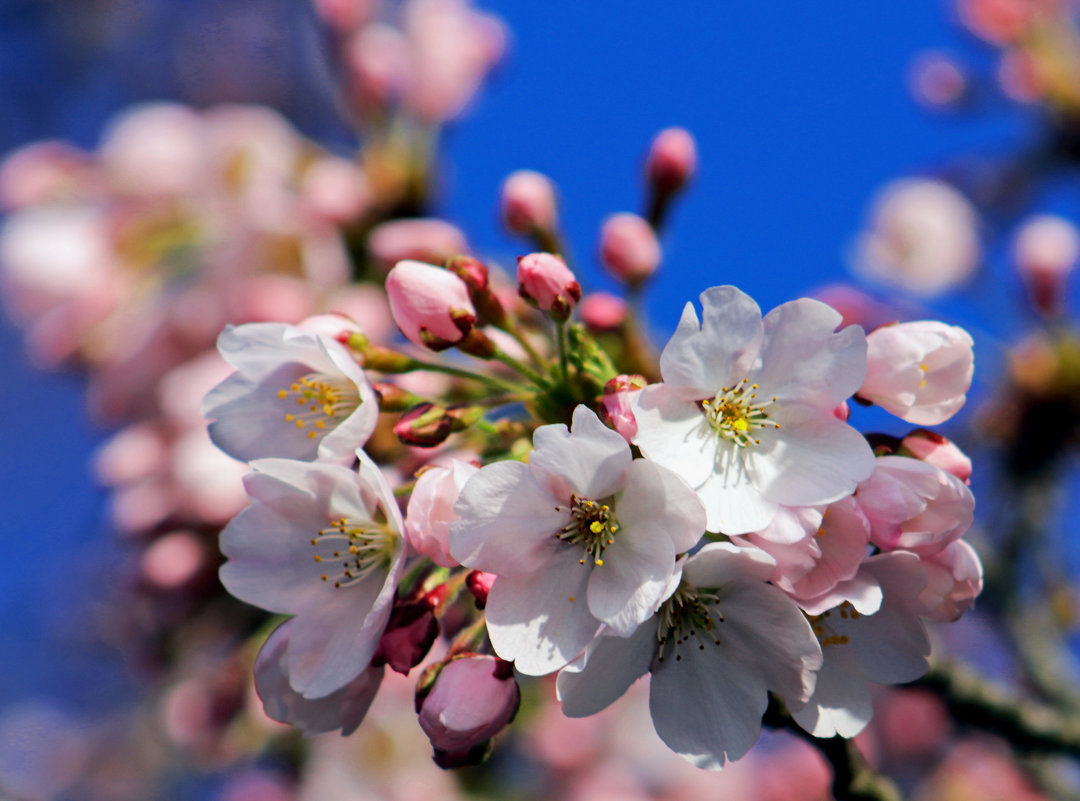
(802, 114)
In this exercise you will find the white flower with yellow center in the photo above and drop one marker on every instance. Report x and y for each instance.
(323, 543)
(295, 394)
(581, 535)
(745, 412)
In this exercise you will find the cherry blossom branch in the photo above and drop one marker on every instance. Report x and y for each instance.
(1027, 726)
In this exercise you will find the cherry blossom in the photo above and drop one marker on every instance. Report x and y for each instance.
(431, 509)
(583, 534)
(294, 394)
(745, 412)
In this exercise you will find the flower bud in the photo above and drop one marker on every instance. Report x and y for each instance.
(431, 509)
(430, 241)
(409, 635)
(618, 392)
(1046, 252)
(954, 580)
(393, 398)
(545, 281)
(602, 312)
(479, 584)
(473, 698)
(475, 275)
(528, 202)
(672, 160)
(629, 248)
(424, 426)
(430, 305)
(931, 447)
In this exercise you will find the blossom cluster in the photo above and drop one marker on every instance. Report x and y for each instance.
(715, 522)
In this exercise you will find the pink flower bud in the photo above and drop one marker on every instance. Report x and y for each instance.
(424, 426)
(842, 412)
(430, 305)
(528, 202)
(377, 63)
(629, 247)
(954, 580)
(427, 240)
(431, 509)
(618, 393)
(472, 700)
(409, 635)
(546, 281)
(937, 81)
(602, 312)
(672, 160)
(1046, 252)
(919, 371)
(335, 191)
(479, 584)
(931, 447)
(344, 15)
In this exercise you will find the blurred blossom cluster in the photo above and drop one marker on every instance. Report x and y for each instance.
(374, 482)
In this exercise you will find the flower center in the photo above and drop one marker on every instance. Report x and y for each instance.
(592, 526)
(824, 631)
(735, 413)
(689, 612)
(322, 402)
(354, 549)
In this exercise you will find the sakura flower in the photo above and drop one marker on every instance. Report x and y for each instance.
(915, 506)
(716, 647)
(886, 646)
(954, 578)
(919, 371)
(431, 509)
(583, 534)
(342, 709)
(294, 394)
(323, 543)
(745, 412)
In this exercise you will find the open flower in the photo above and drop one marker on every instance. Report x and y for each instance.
(294, 394)
(583, 534)
(717, 645)
(745, 413)
(323, 543)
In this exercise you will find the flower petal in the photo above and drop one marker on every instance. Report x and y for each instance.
(588, 460)
(674, 432)
(601, 675)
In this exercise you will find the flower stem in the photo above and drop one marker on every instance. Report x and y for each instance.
(564, 366)
(520, 368)
(459, 372)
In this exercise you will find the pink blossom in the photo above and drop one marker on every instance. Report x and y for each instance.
(474, 698)
(43, 172)
(616, 408)
(427, 240)
(915, 506)
(629, 247)
(1046, 251)
(528, 202)
(345, 15)
(954, 580)
(937, 81)
(430, 305)
(377, 58)
(431, 509)
(602, 312)
(156, 149)
(335, 191)
(672, 160)
(937, 450)
(919, 371)
(546, 281)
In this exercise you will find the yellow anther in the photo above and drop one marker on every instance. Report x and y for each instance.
(283, 394)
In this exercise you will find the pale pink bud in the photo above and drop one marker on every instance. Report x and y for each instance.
(377, 61)
(546, 281)
(601, 311)
(997, 21)
(914, 505)
(335, 191)
(1046, 252)
(954, 580)
(616, 410)
(919, 371)
(42, 172)
(427, 240)
(431, 509)
(344, 15)
(842, 412)
(335, 326)
(430, 305)
(528, 202)
(473, 699)
(937, 81)
(672, 160)
(939, 451)
(629, 247)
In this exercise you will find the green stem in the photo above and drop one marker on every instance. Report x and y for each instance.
(564, 366)
(513, 330)
(520, 368)
(462, 373)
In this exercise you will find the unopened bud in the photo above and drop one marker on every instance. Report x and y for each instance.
(479, 584)
(377, 357)
(430, 305)
(672, 160)
(424, 426)
(475, 275)
(545, 281)
(1046, 252)
(615, 406)
(602, 312)
(629, 248)
(528, 202)
(430, 241)
(409, 635)
(933, 448)
(393, 398)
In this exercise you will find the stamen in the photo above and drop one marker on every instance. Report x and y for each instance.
(824, 631)
(689, 612)
(734, 414)
(368, 546)
(592, 526)
(326, 401)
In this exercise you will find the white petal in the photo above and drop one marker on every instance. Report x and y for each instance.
(601, 675)
(541, 621)
(656, 497)
(589, 460)
(718, 563)
(841, 703)
(733, 505)
(674, 432)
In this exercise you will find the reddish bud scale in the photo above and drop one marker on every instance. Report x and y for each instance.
(479, 584)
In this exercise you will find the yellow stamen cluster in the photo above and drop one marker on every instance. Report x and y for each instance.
(592, 526)
(322, 402)
(735, 413)
(689, 612)
(824, 632)
(354, 548)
